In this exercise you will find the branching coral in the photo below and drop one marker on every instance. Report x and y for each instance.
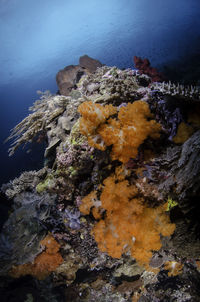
(44, 111)
(180, 91)
(125, 134)
(129, 225)
(44, 264)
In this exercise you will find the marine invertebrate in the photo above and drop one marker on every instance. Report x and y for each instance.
(174, 268)
(144, 66)
(72, 218)
(93, 115)
(177, 90)
(110, 84)
(51, 115)
(129, 225)
(27, 181)
(44, 263)
(126, 133)
(24, 229)
(44, 111)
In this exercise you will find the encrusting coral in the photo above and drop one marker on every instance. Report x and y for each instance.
(44, 263)
(128, 224)
(125, 134)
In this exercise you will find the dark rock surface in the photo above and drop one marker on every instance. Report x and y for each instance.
(68, 77)
(90, 64)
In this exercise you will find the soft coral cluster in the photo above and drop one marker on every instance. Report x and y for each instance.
(44, 263)
(125, 133)
(128, 224)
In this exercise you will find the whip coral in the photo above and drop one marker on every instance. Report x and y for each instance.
(125, 133)
(44, 263)
(128, 224)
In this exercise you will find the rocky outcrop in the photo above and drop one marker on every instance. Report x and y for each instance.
(90, 64)
(68, 77)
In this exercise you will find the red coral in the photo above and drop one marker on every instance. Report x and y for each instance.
(144, 67)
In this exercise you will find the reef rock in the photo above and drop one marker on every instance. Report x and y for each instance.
(68, 77)
(90, 64)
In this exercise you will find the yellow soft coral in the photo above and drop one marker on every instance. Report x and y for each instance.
(125, 134)
(44, 263)
(128, 225)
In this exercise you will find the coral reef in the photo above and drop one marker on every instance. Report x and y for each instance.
(113, 215)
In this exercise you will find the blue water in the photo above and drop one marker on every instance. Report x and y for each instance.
(38, 38)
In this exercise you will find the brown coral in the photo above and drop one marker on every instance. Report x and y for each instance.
(44, 263)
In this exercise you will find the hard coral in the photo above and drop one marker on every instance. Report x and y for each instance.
(129, 225)
(125, 134)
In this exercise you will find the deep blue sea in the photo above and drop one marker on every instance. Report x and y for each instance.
(38, 38)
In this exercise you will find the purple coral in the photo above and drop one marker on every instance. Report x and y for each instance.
(72, 217)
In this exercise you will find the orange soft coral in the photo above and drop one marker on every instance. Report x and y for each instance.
(174, 268)
(125, 134)
(94, 115)
(129, 225)
(44, 263)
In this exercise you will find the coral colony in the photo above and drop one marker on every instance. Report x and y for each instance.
(120, 162)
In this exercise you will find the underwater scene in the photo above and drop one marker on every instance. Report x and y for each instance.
(100, 151)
